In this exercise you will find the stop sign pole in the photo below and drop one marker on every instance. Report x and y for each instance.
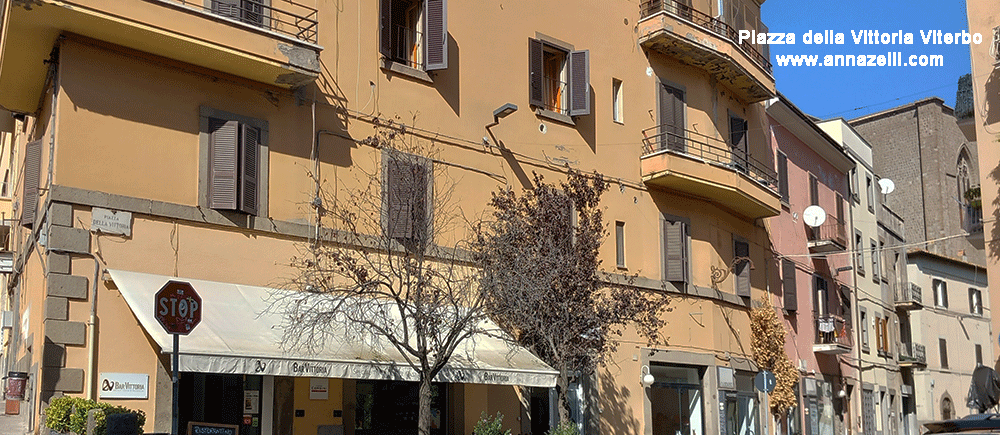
(177, 307)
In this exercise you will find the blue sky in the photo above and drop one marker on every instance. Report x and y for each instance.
(849, 92)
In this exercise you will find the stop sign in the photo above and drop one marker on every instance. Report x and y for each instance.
(178, 307)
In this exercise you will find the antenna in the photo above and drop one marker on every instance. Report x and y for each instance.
(887, 186)
(814, 216)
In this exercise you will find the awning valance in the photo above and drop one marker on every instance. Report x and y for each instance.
(237, 335)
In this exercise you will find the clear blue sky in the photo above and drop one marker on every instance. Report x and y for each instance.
(849, 92)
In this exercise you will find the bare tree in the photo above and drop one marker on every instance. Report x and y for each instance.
(374, 271)
(543, 283)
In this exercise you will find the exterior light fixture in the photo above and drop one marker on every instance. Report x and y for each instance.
(501, 112)
(647, 379)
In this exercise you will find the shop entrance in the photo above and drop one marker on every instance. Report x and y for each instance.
(221, 399)
(391, 407)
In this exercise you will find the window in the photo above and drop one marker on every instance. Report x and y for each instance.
(738, 142)
(672, 124)
(788, 285)
(879, 338)
(875, 262)
(821, 296)
(947, 409)
(253, 12)
(975, 301)
(813, 190)
(783, 176)
(559, 78)
(675, 400)
(741, 252)
(618, 101)
(979, 355)
(854, 186)
(940, 293)
(675, 248)
(406, 197)
(234, 149)
(868, 411)
(943, 349)
(864, 330)
(620, 244)
(739, 408)
(381, 406)
(859, 252)
(882, 260)
(414, 33)
(871, 193)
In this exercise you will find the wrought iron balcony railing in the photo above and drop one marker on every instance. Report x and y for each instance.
(972, 218)
(708, 22)
(909, 293)
(712, 150)
(912, 353)
(832, 230)
(834, 330)
(298, 21)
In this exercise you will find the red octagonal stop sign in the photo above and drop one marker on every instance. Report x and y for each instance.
(178, 307)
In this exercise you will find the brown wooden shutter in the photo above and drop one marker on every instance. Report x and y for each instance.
(224, 156)
(535, 81)
(385, 28)
(742, 270)
(672, 118)
(675, 251)
(783, 176)
(788, 285)
(249, 168)
(32, 176)
(813, 190)
(227, 8)
(436, 19)
(579, 83)
(943, 349)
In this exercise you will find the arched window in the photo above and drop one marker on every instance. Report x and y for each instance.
(963, 173)
(947, 411)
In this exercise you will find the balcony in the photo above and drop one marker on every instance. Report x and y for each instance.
(912, 355)
(829, 237)
(268, 42)
(695, 38)
(833, 336)
(909, 296)
(705, 167)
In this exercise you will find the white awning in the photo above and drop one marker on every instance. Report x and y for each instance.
(238, 336)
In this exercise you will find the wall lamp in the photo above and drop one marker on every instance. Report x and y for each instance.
(501, 112)
(647, 379)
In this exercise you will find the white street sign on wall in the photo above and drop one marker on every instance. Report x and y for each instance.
(111, 221)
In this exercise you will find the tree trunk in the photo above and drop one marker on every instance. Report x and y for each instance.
(562, 387)
(424, 413)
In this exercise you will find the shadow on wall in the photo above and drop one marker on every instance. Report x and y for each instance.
(993, 242)
(448, 81)
(617, 416)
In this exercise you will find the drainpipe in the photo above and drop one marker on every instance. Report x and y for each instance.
(92, 327)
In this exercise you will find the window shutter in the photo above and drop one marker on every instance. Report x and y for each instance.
(672, 118)
(32, 176)
(224, 163)
(813, 190)
(535, 94)
(675, 263)
(436, 19)
(783, 176)
(249, 168)
(579, 83)
(253, 12)
(385, 28)
(788, 284)
(398, 190)
(420, 206)
(227, 8)
(742, 272)
(943, 349)
(738, 141)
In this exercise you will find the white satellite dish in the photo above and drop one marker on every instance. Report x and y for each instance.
(814, 216)
(887, 186)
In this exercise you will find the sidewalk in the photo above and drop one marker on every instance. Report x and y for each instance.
(14, 424)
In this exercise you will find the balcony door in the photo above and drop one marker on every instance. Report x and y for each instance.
(672, 119)
(738, 142)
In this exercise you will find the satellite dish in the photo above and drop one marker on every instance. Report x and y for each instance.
(887, 186)
(814, 216)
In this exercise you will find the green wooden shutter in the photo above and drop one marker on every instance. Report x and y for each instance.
(224, 156)
(32, 176)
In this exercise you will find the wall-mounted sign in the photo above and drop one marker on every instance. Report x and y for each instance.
(111, 221)
(251, 402)
(319, 388)
(124, 386)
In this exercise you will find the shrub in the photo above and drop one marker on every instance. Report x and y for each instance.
(564, 428)
(69, 414)
(490, 425)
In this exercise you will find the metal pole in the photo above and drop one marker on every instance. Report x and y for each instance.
(174, 430)
(767, 413)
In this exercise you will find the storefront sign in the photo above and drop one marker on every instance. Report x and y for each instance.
(124, 386)
(111, 221)
(319, 388)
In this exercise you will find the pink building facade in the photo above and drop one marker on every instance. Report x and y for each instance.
(813, 281)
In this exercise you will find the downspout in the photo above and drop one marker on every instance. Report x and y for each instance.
(92, 327)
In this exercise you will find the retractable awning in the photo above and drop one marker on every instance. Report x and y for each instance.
(237, 335)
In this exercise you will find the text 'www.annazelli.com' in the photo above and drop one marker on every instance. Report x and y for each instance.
(890, 59)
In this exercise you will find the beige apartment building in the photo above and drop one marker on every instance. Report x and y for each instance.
(984, 19)
(144, 113)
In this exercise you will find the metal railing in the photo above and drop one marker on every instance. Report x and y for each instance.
(554, 95)
(834, 330)
(300, 22)
(908, 292)
(675, 139)
(833, 229)
(407, 46)
(972, 218)
(708, 22)
(912, 352)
